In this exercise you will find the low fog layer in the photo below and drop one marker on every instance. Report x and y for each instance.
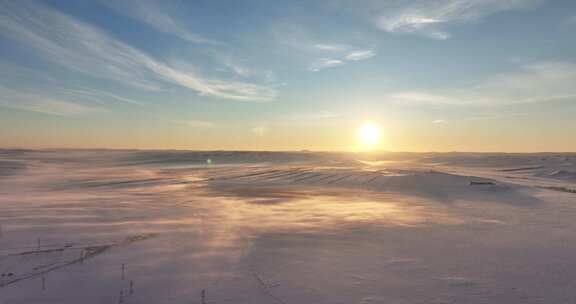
(104, 226)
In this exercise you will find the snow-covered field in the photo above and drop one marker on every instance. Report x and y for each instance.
(100, 226)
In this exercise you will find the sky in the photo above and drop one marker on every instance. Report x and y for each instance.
(435, 75)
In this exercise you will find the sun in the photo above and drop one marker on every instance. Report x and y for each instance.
(368, 134)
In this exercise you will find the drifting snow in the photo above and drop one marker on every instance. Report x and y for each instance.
(100, 226)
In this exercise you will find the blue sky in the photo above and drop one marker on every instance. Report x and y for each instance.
(442, 75)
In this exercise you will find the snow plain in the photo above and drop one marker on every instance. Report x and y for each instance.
(106, 226)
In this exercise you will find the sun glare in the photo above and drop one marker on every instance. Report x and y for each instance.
(368, 134)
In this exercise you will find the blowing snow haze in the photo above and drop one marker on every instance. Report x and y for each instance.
(248, 152)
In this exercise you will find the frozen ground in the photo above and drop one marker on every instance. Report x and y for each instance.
(296, 228)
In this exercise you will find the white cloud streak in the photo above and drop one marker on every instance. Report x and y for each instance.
(360, 55)
(100, 96)
(160, 16)
(331, 47)
(431, 18)
(81, 47)
(35, 102)
(317, 52)
(27, 89)
(534, 82)
(350, 56)
(325, 63)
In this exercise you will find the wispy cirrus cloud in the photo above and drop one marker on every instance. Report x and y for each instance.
(43, 103)
(331, 47)
(533, 82)
(166, 17)
(319, 53)
(432, 18)
(98, 95)
(28, 89)
(81, 47)
(358, 55)
(342, 59)
(325, 63)
(50, 106)
(160, 16)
